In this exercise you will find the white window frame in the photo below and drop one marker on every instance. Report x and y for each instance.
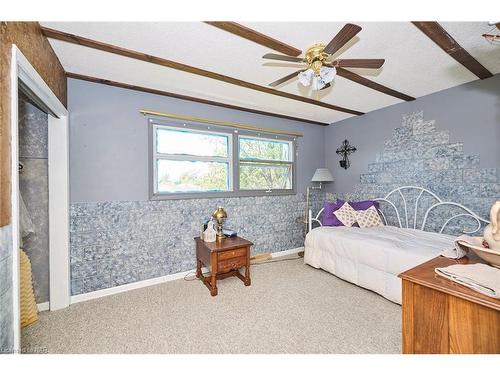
(270, 162)
(184, 157)
(233, 159)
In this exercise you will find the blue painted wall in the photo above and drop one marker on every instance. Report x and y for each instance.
(109, 139)
(469, 113)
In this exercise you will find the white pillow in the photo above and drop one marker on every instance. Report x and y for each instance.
(346, 215)
(368, 218)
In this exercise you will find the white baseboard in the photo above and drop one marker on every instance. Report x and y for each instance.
(44, 306)
(287, 252)
(127, 287)
(149, 282)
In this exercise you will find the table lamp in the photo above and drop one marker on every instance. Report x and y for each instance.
(220, 217)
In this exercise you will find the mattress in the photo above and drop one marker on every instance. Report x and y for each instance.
(373, 257)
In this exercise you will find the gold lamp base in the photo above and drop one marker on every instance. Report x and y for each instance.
(220, 216)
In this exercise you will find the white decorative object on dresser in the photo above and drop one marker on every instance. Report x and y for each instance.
(488, 246)
(210, 234)
(492, 230)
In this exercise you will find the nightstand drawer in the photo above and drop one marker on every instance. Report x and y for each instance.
(232, 264)
(233, 254)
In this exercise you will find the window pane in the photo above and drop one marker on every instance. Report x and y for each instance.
(264, 177)
(171, 141)
(263, 149)
(191, 176)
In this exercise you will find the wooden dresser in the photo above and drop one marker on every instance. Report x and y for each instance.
(223, 258)
(440, 316)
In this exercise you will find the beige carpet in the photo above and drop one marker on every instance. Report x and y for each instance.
(290, 308)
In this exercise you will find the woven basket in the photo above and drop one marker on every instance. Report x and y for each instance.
(29, 311)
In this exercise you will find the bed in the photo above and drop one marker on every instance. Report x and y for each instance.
(374, 257)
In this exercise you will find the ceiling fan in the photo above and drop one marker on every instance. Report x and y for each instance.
(321, 67)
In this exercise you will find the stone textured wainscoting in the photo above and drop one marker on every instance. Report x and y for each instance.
(115, 243)
(420, 154)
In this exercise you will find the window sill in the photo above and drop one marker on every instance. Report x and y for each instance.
(228, 194)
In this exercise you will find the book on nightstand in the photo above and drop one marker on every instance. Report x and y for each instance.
(229, 233)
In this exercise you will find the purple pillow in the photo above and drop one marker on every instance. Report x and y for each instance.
(329, 219)
(363, 205)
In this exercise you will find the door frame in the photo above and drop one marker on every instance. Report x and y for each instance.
(58, 172)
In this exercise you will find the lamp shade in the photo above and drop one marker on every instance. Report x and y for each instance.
(322, 175)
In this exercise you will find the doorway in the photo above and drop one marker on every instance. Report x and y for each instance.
(25, 78)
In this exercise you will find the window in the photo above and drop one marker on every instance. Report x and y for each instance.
(265, 164)
(201, 161)
(188, 161)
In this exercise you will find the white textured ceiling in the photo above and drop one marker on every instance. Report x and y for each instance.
(414, 64)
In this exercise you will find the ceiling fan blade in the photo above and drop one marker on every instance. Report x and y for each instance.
(358, 63)
(275, 56)
(255, 36)
(371, 84)
(286, 78)
(343, 36)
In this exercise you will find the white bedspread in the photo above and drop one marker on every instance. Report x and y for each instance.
(372, 257)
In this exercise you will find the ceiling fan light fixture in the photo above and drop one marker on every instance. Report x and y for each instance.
(306, 77)
(317, 81)
(327, 74)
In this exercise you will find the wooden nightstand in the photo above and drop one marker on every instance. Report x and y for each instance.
(223, 258)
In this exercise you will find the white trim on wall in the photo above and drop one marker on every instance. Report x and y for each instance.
(58, 161)
(287, 252)
(14, 178)
(44, 306)
(58, 165)
(157, 280)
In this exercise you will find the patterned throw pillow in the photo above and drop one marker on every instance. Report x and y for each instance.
(368, 218)
(346, 215)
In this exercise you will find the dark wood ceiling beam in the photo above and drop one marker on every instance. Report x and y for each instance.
(446, 42)
(255, 36)
(187, 97)
(371, 84)
(75, 39)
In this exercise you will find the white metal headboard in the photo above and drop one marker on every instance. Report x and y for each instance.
(406, 224)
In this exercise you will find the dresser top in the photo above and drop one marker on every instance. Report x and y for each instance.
(228, 243)
(425, 275)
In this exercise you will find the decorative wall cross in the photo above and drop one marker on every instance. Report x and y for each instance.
(345, 150)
